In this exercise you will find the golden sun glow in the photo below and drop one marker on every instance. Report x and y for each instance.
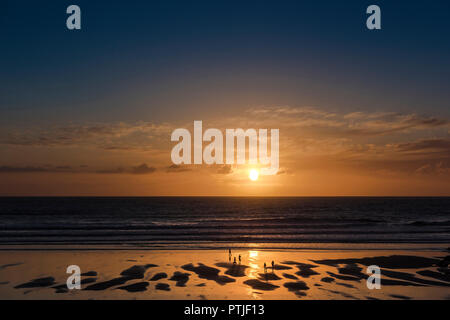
(253, 174)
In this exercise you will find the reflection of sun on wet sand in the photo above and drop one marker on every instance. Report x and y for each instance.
(214, 274)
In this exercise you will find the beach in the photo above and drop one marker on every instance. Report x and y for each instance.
(178, 248)
(40, 273)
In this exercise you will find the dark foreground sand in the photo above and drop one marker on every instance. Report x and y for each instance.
(211, 274)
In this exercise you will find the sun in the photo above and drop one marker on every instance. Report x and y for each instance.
(253, 174)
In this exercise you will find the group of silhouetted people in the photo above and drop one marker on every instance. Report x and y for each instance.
(229, 257)
(273, 266)
(234, 261)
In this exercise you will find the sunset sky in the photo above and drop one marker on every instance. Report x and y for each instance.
(90, 112)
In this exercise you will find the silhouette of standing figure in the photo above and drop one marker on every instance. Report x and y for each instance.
(229, 255)
(239, 259)
(273, 265)
(234, 262)
(265, 268)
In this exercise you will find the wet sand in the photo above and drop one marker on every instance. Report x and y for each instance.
(211, 274)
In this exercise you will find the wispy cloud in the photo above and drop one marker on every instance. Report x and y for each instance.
(441, 146)
(142, 169)
(225, 169)
(304, 120)
(27, 169)
(381, 140)
(109, 136)
(111, 171)
(348, 124)
(439, 168)
(177, 168)
(139, 169)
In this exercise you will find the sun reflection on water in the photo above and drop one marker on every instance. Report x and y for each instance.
(253, 271)
(253, 264)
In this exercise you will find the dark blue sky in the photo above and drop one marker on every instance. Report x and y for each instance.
(164, 61)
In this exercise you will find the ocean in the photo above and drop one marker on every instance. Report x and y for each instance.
(222, 222)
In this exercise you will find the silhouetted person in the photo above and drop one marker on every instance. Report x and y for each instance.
(273, 265)
(265, 267)
(234, 262)
(239, 259)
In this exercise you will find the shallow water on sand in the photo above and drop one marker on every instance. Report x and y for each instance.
(211, 274)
